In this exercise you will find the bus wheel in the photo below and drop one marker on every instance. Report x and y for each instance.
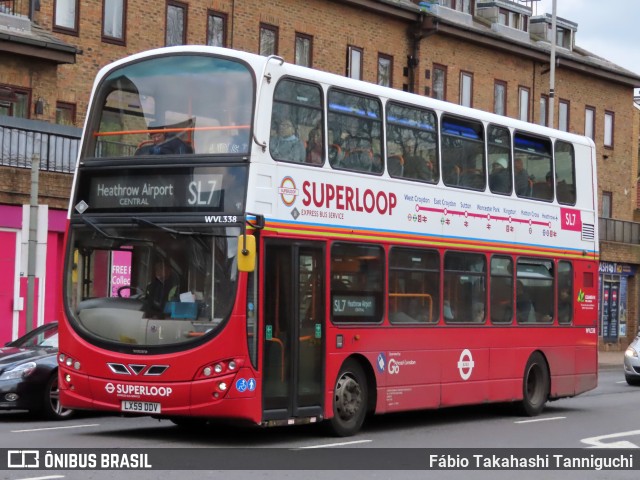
(349, 400)
(535, 386)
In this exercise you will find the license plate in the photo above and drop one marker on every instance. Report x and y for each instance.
(140, 407)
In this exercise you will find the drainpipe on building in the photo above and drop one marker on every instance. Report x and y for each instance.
(426, 26)
(416, 34)
(33, 244)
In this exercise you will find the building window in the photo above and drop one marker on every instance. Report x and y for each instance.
(217, 29)
(465, 6)
(608, 129)
(354, 62)
(113, 21)
(268, 40)
(385, 70)
(512, 19)
(304, 50)
(466, 89)
(439, 82)
(65, 16)
(607, 201)
(563, 115)
(523, 110)
(176, 24)
(544, 108)
(590, 122)
(65, 113)
(563, 37)
(500, 97)
(14, 101)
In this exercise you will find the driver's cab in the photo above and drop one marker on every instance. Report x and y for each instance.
(155, 288)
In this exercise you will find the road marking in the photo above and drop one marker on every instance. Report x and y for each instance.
(43, 478)
(329, 445)
(595, 442)
(540, 420)
(56, 428)
(623, 381)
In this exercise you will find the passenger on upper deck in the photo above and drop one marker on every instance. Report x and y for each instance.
(357, 152)
(162, 143)
(454, 175)
(521, 176)
(499, 180)
(419, 167)
(314, 147)
(286, 145)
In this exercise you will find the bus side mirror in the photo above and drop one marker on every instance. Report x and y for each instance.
(246, 253)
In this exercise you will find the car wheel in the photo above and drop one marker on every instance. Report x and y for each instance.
(632, 380)
(350, 399)
(535, 386)
(52, 410)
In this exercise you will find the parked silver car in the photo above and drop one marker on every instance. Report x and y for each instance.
(632, 362)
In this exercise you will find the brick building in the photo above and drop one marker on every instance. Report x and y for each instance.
(491, 55)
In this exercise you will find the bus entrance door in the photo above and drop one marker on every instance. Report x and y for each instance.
(293, 330)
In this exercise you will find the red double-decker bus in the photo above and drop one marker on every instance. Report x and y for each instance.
(259, 241)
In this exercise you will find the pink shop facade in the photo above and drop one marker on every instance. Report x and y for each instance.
(14, 251)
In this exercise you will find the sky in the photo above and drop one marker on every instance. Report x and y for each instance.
(609, 28)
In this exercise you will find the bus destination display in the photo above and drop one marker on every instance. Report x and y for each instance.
(197, 189)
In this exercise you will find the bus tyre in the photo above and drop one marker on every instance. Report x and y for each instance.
(349, 400)
(535, 386)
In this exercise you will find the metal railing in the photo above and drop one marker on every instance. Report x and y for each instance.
(13, 7)
(22, 139)
(611, 230)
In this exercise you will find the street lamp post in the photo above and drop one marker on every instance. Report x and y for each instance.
(552, 74)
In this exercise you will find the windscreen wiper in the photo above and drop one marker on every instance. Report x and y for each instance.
(142, 221)
(94, 225)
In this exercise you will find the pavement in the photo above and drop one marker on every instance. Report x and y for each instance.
(610, 360)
